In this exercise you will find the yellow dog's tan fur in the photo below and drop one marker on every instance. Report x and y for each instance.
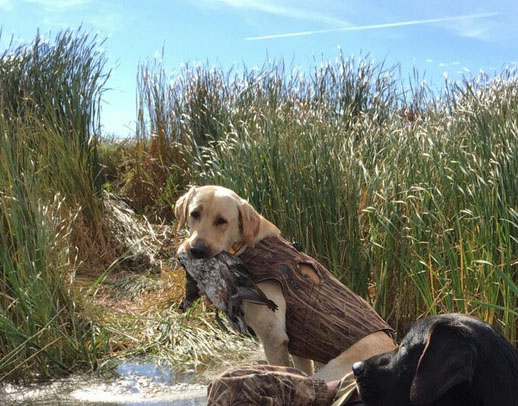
(219, 220)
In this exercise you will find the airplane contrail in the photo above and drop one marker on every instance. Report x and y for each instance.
(376, 26)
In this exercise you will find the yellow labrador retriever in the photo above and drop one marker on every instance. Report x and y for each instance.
(219, 220)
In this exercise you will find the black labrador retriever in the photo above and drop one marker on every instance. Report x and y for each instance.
(451, 359)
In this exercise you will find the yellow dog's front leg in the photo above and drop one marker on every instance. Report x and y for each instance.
(269, 325)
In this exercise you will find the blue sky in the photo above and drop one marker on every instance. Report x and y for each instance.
(436, 36)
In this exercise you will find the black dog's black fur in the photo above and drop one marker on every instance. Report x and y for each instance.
(445, 360)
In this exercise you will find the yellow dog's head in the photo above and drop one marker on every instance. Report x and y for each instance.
(218, 220)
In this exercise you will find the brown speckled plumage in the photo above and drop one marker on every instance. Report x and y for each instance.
(227, 284)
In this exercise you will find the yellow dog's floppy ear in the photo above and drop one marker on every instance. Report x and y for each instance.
(249, 223)
(181, 206)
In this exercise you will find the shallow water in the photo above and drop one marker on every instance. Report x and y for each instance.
(136, 383)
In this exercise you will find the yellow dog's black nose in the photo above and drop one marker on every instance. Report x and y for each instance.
(199, 250)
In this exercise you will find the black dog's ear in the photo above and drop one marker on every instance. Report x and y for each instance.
(448, 359)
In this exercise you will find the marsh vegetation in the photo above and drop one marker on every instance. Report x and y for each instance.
(407, 194)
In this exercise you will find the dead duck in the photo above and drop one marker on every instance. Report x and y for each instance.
(225, 280)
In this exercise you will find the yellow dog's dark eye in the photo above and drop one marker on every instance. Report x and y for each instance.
(195, 215)
(220, 221)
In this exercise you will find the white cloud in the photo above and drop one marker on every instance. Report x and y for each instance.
(105, 17)
(108, 21)
(473, 31)
(379, 26)
(58, 4)
(500, 29)
(6, 5)
(296, 10)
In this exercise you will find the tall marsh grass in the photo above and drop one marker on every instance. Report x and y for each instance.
(408, 196)
(55, 88)
(49, 204)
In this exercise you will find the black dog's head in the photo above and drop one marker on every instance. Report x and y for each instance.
(435, 356)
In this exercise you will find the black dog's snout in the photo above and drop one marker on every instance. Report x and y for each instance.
(358, 368)
(199, 251)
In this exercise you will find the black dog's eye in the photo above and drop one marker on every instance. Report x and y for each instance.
(195, 215)
(220, 221)
(384, 362)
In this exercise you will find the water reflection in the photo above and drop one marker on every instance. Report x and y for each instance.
(136, 383)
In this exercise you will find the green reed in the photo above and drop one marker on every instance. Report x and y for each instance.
(408, 196)
(49, 104)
